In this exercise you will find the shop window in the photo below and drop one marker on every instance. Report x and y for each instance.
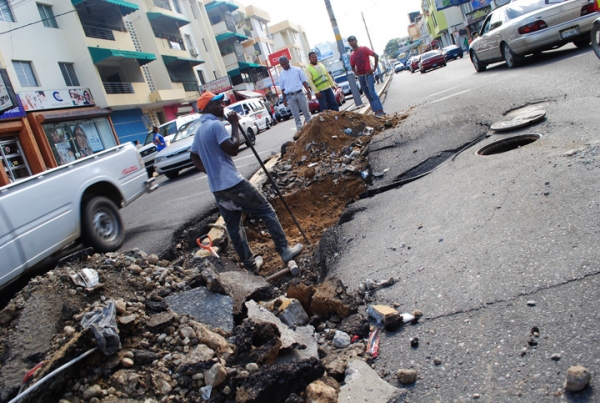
(5, 13)
(47, 16)
(25, 74)
(68, 72)
(77, 139)
(13, 159)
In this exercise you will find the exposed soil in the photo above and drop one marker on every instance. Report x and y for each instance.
(319, 175)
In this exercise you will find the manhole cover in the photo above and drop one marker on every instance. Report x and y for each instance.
(519, 120)
(511, 143)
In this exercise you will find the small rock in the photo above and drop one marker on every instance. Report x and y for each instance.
(69, 331)
(92, 391)
(417, 313)
(437, 361)
(216, 375)
(251, 367)
(577, 378)
(406, 376)
(531, 303)
(127, 362)
(555, 357)
(414, 342)
(476, 395)
(341, 339)
(153, 259)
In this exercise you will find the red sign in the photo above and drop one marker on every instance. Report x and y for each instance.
(274, 58)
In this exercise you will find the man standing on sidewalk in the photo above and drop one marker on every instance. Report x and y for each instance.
(321, 83)
(291, 81)
(211, 153)
(360, 60)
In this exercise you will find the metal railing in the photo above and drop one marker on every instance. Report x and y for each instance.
(99, 33)
(118, 88)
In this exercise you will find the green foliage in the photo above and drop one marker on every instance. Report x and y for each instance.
(391, 49)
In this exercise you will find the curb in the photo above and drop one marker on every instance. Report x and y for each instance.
(365, 110)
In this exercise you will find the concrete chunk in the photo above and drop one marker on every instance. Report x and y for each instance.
(364, 385)
(206, 307)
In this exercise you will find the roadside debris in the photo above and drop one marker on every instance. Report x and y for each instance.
(578, 378)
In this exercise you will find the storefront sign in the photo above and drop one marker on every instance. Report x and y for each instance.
(442, 4)
(8, 100)
(274, 57)
(16, 112)
(53, 99)
(216, 87)
(477, 4)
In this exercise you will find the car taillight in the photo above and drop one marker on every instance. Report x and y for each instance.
(534, 26)
(589, 8)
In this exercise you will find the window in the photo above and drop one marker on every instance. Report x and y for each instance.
(25, 74)
(201, 77)
(68, 72)
(176, 6)
(47, 16)
(5, 13)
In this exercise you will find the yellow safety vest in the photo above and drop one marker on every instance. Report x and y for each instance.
(319, 78)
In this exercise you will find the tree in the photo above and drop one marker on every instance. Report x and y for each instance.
(392, 48)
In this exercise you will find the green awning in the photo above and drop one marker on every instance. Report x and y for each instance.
(179, 60)
(102, 54)
(216, 4)
(229, 34)
(244, 65)
(124, 6)
(233, 73)
(161, 18)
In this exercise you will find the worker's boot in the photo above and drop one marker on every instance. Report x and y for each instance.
(289, 253)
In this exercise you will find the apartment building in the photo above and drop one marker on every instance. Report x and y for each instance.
(291, 36)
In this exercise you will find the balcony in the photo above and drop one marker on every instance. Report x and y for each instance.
(190, 86)
(126, 94)
(99, 33)
(106, 38)
(164, 4)
(118, 88)
(171, 47)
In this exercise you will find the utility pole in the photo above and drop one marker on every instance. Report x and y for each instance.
(342, 50)
(367, 29)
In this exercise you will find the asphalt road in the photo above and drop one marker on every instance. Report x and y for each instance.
(491, 247)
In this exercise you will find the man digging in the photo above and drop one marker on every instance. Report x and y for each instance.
(212, 152)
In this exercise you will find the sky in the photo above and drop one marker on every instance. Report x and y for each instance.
(385, 19)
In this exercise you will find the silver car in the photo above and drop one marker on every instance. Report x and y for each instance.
(176, 156)
(524, 27)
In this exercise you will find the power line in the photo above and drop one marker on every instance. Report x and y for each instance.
(46, 19)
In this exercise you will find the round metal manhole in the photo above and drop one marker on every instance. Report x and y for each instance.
(519, 120)
(509, 144)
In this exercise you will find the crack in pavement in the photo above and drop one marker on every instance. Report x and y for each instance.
(491, 303)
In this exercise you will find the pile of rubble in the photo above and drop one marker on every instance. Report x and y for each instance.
(189, 331)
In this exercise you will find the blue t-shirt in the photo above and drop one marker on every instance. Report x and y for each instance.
(161, 142)
(220, 169)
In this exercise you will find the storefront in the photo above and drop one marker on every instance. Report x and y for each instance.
(75, 130)
(49, 129)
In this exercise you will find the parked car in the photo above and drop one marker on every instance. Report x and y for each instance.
(167, 130)
(452, 52)
(595, 37)
(314, 106)
(398, 67)
(256, 110)
(413, 63)
(431, 60)
(176, 157)
(342, 81)
(520, 28)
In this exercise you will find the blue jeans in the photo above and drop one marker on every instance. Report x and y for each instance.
(367, 82)
(245, 198)
(328, 101)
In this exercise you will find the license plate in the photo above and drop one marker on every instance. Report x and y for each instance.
(567, 33)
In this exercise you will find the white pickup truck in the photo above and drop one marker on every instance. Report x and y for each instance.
(72, 204)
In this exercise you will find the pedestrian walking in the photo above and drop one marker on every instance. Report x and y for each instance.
(291, 81)
(321, 83)
(158, 139)
(212, 151)
(360, 60)
(271, 111)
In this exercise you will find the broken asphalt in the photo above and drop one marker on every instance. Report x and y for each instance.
(489, 248)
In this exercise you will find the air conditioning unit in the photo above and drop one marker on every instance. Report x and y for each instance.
(193, 52)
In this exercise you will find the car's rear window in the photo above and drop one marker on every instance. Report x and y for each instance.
(522, 7)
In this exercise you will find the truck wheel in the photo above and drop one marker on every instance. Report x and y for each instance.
(172, 174)
(101, 225)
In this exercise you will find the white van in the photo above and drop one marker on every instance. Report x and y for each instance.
(255, 109)
(167, 130)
